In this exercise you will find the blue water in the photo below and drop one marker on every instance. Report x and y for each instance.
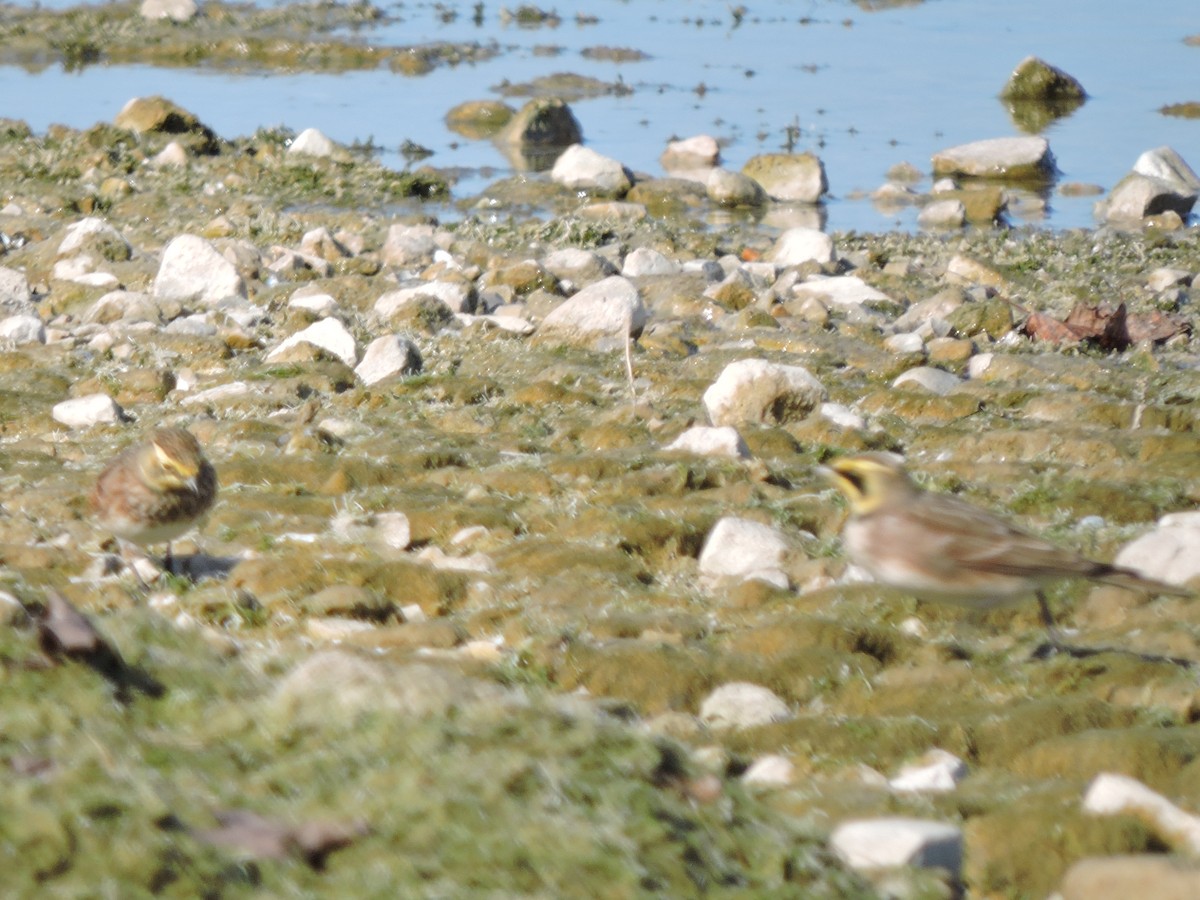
(868, 88)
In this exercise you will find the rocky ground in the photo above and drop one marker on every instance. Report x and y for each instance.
(453, 627)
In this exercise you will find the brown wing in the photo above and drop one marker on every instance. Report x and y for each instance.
(964, 536)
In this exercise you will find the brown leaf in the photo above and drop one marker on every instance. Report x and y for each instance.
(251, 835)
(65, 630)
(1042, 327)
(1156, 326)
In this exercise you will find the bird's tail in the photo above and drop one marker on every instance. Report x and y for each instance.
(1134, 581)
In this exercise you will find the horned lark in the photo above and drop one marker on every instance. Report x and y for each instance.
(941, 548)
(155, 490)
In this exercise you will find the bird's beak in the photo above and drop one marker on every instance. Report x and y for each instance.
(192, 484)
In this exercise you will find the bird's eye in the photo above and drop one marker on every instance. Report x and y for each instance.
(855, 480)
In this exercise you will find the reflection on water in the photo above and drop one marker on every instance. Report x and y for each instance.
(864, 86)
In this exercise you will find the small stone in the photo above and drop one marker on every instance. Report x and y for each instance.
(311, 142)
(542, 124)
(841, 290)
(175, 10)
(610, 309)
(407, 245)
(328, 334)
(172, 156)
(704, 441)
(1008, 158)
(15, 296)
(772, 770)
(936, 381)
(387, 356)
(742, 548)
(887, 843)
(755, 390)
(732, 189)
(644, 261)
(583, 169)
(909, 342)
(84, 412)
(1035, 79)
(193, 270)
(456, 296)
(1170, 553)
(789, 177)
(740, 704)
(842, 416)
(94, 236)
(942, 214)
(1165, 277)
(1110, 794)
(1165, 164)
(318, 304)
(22, 330)
(937, 771)
(800, 245)
(699, 152)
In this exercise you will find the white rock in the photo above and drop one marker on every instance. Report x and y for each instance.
(700, 151)
(193, 270)
(755, 390)
(789, 177)
(457, 296)
(393, 529)
(581, 168)
(937, 771)
(908, 342)
(742, 548)
(727, 188)
(90, 232)
(476, 562)
(1110, 794)
(979, 364)
(319, 304)
(387, 356)
(943, 214)
(175, 10)
(1018, 157)
(936, 381)
(842, 416)
(1165, 277)
(311, 142)
(219, 394)
(22, 330)
(15, 296)
(506, 322)
(1167, 165)
(1137, 195)
(705, 441)
(771, 770)
(328, 334)
(645, 261)
(1171, 552)
(172, 156)
(407, 245)
(84, 412)
(740, 704)
(578, 265)
(887, 843)
(800, 245)
(612, 307)
(842, 290)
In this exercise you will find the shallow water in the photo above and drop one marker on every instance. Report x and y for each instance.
(868, 88)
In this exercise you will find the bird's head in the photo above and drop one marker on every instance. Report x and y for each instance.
(870, 479)
(172, 461)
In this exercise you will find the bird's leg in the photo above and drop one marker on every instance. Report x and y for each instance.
(1056, 643)
(169, 560)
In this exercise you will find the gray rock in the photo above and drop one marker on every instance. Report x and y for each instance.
(84, 412)
(578, 266)
(126, 306)
(1136, 196)
(1121, 877)
(328, 334)
(698, 152)
(1036, 79)
(726, 188)
(1167, 165)
(945, 215)
(922, 316)
(905, 342)
(790, 177)
(193, 271)
(458, 296)
(15, 296)
(407, 245)
(608, 309)
(645, 261)
(758, 391)
(320, 304)
(842, 290)
(741, 548)
(387, 356)
(1171, 552)
(175, 10)
(740, 704)
(706, 441)
(1009, 158)
(311, 142)
(22, 330)
(800, 245)
(891, 842)
(582, 169)
(95, 236)
(936, 381)
(542, 124)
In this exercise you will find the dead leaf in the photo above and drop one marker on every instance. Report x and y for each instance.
(250, 835)
(1156, 326)
(1042, 327)
(65, 630)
